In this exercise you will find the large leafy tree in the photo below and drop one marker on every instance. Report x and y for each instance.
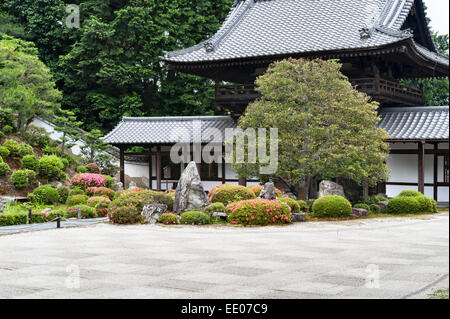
(326, 129)
(26, 86)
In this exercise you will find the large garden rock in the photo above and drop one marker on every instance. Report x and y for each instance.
(151, 212)
(330, 188)
(383, 207)
(190, 194)
(268, 192)
(296, 218)
(3, 203)
(359, 212)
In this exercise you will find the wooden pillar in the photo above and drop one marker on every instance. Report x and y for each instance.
(150, 168)
(122, 165)
(224, 172)
(158, 168)
(421, 166)
(435, 172)
(242, 181)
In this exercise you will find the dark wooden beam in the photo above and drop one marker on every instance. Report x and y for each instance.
(414, 152)
(421, 167)
(122, 166)
(440, 184)
(435, 172)
(224, 177)
(150, 168)
(242, 181)
(158, 168)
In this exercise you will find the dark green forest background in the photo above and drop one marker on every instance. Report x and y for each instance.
(111, 67)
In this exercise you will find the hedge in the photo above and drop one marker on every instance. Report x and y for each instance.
(195, 218)
(45, 194)
(13, 219)
(332, 206)
(126, 215)
(227, 194)
(259, 212)
(50, 167)
(77, 200)
(86, 211)
(168, 219)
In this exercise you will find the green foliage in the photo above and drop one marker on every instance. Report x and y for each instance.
(65, 163)
(292, 203)
(30, 162)
(100, 203)
(76, 191)
(332, 206)
(50, 167)
(2, 135)
(259, 212)
(403, 205)
(36, 136)
(101, 191)
(4, 151)
(4, 169)
(168, 219)
(227, 194)
(258, 188)
(19, 178)
(86, 211)
(195, 218)
(410, 193)
(139, 199)
(363, 206)
(93, 168)
(63, 194)
(10, 25)
(7, 129)
(215, 207)
(25, 149)
(369, 200)
(126, 215)
(374, 209)
(77, 200)
(28, 90)
(41, 217)
(66, 122)
(45, 194)
(426, 204)
(13, 147)
(305, 206)
(81, 169)
(109, 181)
(52, 150)
(324, 124)
(13, 219)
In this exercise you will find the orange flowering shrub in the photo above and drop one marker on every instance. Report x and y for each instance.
(259, 212)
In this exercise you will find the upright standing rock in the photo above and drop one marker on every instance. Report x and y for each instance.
(190, 194)
(330, 188)
(268, 192)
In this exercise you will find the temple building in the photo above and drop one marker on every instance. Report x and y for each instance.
(378, 42)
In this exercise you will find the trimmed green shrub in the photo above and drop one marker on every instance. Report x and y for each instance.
(4, 151)
(195, 218)
(4, 169)
(109, 181)
(7, 129)
(363, 206)
(304, 206)
(65, 163)
(50, 167)
(31, 176)
(76, 191)
(2, 135)
(426, 204)
(63, 194)
(81, 169)
(215, 207)
(100, 203)
(292, 203)
(30, 162)
(19, 178)
(141, 198)
(168, 219)
(45, 194)
(13, 219)
(259, 212)
(101, 191)
(25, 149)
(13, 148)
(86, 212)
(41, 217)
(410, 193)
(332, 206)
(258, 188)
(37, 136)
(403, 205)
(62, 177)
(369, 200)
(77, 200)
(126, 215)
(227, 194)
(374, 209)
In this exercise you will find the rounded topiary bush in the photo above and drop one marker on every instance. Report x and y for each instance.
(227, 194)
(45, 194)
(374, 209)
(304, 206)
(30, 162)
(86, 211)
(101, 191)
(7, 129)
(65, 163)
(50, 167)
(81, 169)
(19, 178)
(100, 203)
(88, 180)
(13, 147)
(4, 152)
(259, 212)
(195, 218)
(141, 198)
(77, 200)
(168, 219)
(403, 205)
(332, 206)
(25, 150)
(76, 191)
(4, 169)
(126, 215)
(410, 193)
(63, 194)
(293, 204)
(426, 204)
(215, 207)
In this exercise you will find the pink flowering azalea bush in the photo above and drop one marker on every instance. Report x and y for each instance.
(101, 191)
(168, 219)
(259, 212)
(258, 188)
(332, 206)
(88, 180)
(100, 203)
(227, 194)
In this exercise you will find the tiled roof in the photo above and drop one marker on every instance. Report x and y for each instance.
(415, 123)
(256, 28)
(168, 130)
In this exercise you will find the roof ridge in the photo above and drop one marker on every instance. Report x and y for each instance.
(414, 109)
(432, 52)
(177, 118)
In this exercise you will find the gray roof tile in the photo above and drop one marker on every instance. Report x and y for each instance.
(279, 27)
(168, 130)
(416, 123)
